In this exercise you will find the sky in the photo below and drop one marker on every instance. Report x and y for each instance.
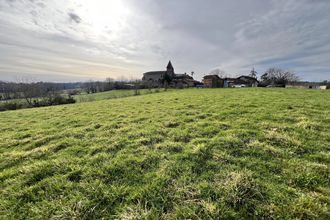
(78, 40)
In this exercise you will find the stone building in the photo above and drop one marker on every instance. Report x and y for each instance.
(159, 76)
(168, 78)
(212, 81)
(242, 81)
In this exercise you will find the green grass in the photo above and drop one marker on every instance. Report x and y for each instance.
(83, 97)
(196, 153)
(113, 94)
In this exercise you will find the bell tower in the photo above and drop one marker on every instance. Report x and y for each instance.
(170, 69)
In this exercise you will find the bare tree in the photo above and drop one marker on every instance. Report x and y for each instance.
(109, 83)
(90, 87)
(253, 73)
(277, 76)
(29, 89)
(137, 87)
(6, 90)
(50, 93)
(219, 72)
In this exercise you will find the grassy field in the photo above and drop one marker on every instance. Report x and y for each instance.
(195, 153)
(11, 104)
(113, 94)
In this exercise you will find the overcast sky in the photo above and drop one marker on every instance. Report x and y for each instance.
(73, 40)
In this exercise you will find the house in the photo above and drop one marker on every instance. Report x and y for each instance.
(168, 77)
(213, 81)
(232, 82)
(242, 81)
(307, 85)
(249, 81)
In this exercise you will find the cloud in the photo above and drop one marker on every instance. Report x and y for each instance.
(128, 37)
(291, 35)
(74, 17)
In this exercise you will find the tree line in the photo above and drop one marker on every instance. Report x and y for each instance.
(111, 84)
(33, 94)
(16, 90)
(27, 93)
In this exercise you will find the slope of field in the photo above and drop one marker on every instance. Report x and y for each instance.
(197, 153)
(113, 94)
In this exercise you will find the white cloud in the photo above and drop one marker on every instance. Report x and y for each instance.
(95, 39)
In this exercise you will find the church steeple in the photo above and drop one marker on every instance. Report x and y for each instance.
(169, 66)
(170, 69)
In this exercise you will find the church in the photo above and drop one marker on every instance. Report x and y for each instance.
(168, 77)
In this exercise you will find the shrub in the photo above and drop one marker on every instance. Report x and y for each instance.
(62, 100)
(74, 92)
(59, 100)
(10, 106)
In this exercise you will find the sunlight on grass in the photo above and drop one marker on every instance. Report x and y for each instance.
(181, 154)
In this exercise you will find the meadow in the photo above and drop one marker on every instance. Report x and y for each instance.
(14, 104)
(179, 154)
(113, 94)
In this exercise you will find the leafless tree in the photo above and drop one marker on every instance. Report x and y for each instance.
(29, 89)
(253, 73)
(50, 93)
(90, 87)
(5, 90)
(137, 85)
(109, 83)
(219, 72)
(278, 76)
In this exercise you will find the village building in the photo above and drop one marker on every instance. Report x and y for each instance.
(213, 81)
(247, 81)
(232, 82)
(168, 78)
(308, 85)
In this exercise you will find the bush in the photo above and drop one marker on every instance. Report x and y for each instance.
(74, 92)
(60, 100)
(10, 106)
(57, 100)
